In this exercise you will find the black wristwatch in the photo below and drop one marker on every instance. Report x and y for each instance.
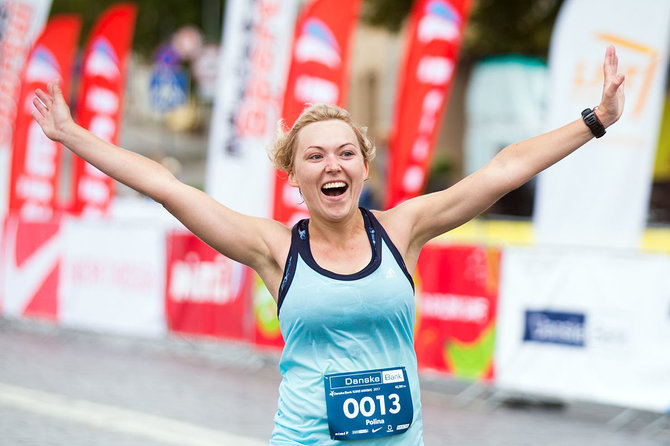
(594, 124)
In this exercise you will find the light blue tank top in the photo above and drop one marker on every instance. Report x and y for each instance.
(334, 323)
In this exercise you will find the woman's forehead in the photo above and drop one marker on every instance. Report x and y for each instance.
(322, 133)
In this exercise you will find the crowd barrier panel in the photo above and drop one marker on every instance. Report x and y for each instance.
(585, 324)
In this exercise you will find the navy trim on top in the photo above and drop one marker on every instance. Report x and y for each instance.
(289, 267)
(306, 253)
(300, 247)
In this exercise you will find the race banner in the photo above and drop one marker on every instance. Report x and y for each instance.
(252, 77)
(206, 293)
(100, 100)
(585, 324)
(112, 277)
(433, 42)
(319, 73)
(35, 158)
(21, 21)
(599, 195)
(30, 267)
(457, 296)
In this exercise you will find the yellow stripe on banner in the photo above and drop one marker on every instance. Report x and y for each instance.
(116, 419)
(520, 233)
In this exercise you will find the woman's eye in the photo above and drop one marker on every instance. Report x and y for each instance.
(348, 153)
(314, 156)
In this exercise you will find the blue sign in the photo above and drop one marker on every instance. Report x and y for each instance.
(555, 327)
(168, 88)
(368, 404)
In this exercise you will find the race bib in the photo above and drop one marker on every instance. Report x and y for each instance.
(368, 404)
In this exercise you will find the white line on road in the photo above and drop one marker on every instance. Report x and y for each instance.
(116, 419)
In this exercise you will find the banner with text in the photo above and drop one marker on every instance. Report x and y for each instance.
(21, 21)
(35, 158)
(457, 293)
(252, 77)
(100, 100)
(433, 42)
(205, 293)
(585, 324)
(599, 195)
(319, 73)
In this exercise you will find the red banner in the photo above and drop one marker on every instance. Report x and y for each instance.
(433, 42)
(457, 288)
(318, 74)
(100, 100)
(35, 158)
(206, 293)
(30, 264)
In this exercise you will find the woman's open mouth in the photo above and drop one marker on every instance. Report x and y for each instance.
(334, 189)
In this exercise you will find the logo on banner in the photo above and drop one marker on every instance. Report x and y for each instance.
(194, 280)
(103, 61)
(43, 66)
(554, 327)
(440, 22)
(317, 43)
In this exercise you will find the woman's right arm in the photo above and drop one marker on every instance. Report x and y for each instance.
(256, 242)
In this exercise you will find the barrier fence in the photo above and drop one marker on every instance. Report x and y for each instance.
(570, 323)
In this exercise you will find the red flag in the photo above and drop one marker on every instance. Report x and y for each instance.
(433, 42)
(318, 74)
(35, 158)
(103, 79)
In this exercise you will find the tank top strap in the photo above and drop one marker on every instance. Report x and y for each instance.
(379, 229)
(298, 243)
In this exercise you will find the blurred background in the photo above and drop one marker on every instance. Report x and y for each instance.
(556, 299)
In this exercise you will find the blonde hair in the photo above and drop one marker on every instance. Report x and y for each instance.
(282, 152)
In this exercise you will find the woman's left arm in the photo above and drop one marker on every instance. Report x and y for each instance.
(430, 215)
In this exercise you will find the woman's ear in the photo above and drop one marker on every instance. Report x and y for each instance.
(291, 179)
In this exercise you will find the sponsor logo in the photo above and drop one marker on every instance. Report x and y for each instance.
(43, 66)
(103, 60)
(392, 376)
(362, 431)
(317, 43)
(555, 327)
(452, 307)
(402, 426)
(193, 280)
(440, 22)
(377, 430)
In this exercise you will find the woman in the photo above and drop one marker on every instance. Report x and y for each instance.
(342, 279)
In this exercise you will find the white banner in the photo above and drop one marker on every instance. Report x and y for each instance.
(113, 277)
(585, 324)
(252, 77)
(599, 195)
(20, 23)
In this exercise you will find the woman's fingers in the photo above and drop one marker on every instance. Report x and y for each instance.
(39, 105)
(46, 100)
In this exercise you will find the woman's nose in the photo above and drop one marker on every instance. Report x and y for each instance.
(332, 164)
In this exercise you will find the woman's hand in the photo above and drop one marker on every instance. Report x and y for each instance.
(51, 112)
(611, 104)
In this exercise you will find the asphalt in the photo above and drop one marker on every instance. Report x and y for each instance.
(65, 387)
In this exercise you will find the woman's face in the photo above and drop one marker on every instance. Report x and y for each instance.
(329, 169)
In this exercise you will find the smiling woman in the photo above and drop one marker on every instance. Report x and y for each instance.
(342, 279)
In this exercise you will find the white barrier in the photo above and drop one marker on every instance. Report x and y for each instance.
(585, 324)
(113, 277)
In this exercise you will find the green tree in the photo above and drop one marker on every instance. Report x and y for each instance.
(495, 27)
(156, 19)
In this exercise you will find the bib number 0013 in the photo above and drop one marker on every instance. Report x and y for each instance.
(368, 404)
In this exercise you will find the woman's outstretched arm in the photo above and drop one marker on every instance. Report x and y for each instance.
(253, 241)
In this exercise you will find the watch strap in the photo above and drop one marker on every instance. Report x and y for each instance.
(593, 123)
